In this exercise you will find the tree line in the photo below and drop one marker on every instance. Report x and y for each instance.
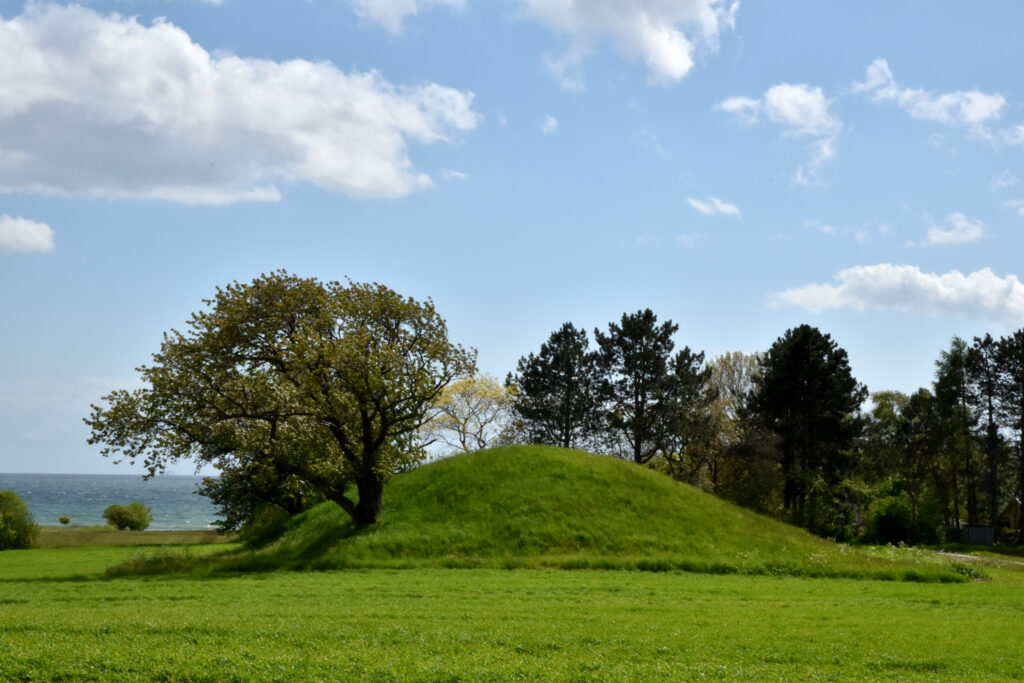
(299, 391)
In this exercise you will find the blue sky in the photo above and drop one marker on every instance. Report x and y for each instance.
(740, 168)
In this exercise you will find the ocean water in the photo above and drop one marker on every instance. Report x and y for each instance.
(84, 497)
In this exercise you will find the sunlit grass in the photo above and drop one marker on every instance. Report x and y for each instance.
(539, 507)
(494, 625)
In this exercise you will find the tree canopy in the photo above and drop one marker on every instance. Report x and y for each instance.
(323, 385)
(655, 401)
(17, 528)
(557, 390)
(471, 414)
(807, 395)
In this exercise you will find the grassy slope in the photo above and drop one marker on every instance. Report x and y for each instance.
(528, 506)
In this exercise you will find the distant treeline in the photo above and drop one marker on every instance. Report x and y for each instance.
(299, 391)
(788, 432)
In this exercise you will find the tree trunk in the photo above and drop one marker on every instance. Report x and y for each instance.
(992, 448)
(371, 492)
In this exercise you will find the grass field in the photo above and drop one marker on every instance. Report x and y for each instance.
(72, 537)
(518, 564)
(60, 620)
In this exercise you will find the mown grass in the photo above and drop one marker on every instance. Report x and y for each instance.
(494, 625)
(74, 537)
(539, 507)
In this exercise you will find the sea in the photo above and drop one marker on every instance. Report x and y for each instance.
(83, 497)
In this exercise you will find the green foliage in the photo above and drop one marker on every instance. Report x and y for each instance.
(135, 516)
(1010, 356)
(657, 403)
(64, 519)
(472, 413)
(807, 395)
(312, 386)
(17, 528)
(984, 372)
(557, 391)
(890, 520)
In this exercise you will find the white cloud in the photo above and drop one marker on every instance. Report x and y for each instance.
(1015, 136)
(391, 13)
(744, 109)
(858, 234)
(663, 34)
(713, 206)
(690, 239)
(21, 234)
(451, 176)
(649, 141)
(905, 288)
(104, 106)
(1004, 180)
(961, 231)
(966, 108)
(549, 125)
(1017, 205)
(801, 110)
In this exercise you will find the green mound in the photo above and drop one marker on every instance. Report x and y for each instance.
(534, 506)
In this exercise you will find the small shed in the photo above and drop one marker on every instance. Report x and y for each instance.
(978, 535)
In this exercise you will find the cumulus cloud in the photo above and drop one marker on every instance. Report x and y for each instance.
(801, 110)
(1017, 205)
(391, 13)
(549, 125)
(105, 106)
(961, 230)
(21, 234)
(905, 288)
(713, 206)
(965, 108)
(663, 34)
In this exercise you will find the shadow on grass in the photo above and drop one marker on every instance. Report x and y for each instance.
(295, 544)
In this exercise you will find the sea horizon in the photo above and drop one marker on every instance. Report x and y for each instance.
(172, 498)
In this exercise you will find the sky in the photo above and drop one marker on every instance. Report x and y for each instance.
(738, 167)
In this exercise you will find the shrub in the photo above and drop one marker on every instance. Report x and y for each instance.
(17, 528)
(64, 519)
(134, 515)
(890, 521)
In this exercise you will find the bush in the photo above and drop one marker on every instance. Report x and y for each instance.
(64, 519)
(890, 520)
(17, 528)
(135, 516)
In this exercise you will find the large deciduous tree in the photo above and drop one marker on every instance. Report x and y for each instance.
(557, 390)
(807, 395)
(323, 386)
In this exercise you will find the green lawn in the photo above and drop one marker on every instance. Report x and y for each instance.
(60, 620)
(70, 537)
